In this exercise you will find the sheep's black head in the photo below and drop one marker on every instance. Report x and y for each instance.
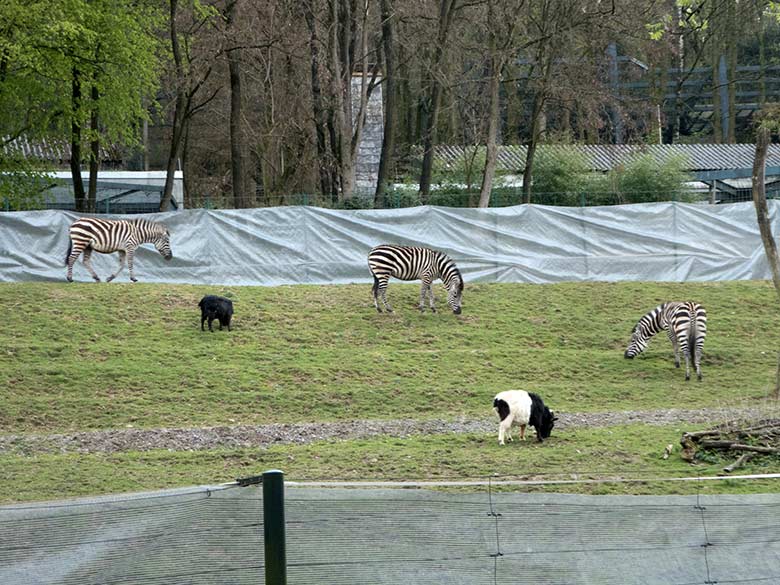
(548, 422)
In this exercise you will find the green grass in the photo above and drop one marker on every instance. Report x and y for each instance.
(101, 356)
(632, 451)
(86, 356)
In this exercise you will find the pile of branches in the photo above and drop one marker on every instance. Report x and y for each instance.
(744, 442)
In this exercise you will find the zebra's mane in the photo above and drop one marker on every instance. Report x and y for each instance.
(153, 226)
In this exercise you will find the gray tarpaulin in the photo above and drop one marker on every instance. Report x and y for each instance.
(311, 245)
(394, 537)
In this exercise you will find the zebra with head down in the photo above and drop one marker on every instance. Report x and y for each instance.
(414, 263)
(685, 324)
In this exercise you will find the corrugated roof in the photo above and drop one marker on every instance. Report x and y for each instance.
(701, 157)
(56, 151)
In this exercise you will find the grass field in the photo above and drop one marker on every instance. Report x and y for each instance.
(106, 356)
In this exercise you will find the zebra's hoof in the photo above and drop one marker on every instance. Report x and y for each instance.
(69, 279)
(97, 278)
(676, 365)
(134, 279)
(109, 279)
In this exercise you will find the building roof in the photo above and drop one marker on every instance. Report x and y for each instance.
(53, 151)
(705, 161)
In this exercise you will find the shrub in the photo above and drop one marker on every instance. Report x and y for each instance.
(560, 176)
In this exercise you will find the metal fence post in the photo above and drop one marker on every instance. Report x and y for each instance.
(273, 528)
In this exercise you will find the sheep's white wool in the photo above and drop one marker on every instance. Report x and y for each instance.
(519, 411)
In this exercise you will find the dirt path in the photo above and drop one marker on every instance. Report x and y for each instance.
(194, 439)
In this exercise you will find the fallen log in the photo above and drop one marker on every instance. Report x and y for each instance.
(744, 458)
(729, 445)
(748, 439)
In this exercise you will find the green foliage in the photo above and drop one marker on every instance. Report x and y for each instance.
(644, 179)
(113, 45)
(466, 170)
(560, 177)
(22, 183)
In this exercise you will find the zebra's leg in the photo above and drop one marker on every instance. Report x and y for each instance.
(430, 295)
(697, 356)
(675, 347)
(423, 294)
(130, 254)
(122, 256)
(685, 351)
(88, 264)
(374, 291)
(382, 287)
(74, 255)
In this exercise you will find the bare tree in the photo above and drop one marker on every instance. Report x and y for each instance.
(505, 23)
(241, 195)
(447, 10)
(388, 17)
(763, 136)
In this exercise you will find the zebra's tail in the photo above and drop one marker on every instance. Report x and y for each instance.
(70, 249)
(375, 288)
(692, 335)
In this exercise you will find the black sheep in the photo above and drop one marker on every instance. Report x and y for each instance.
(214, 307)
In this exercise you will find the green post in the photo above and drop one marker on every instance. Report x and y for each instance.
(273, 528)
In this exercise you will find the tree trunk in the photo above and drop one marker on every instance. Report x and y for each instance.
(324, 157)
(341, 88)
(179, 112)
(241, 196)
(75, 142)
(536, 123)
(446, 9)
(491, 148)
(94, 155)
(762, 211)
(388, 138)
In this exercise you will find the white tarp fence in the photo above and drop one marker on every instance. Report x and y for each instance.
(311, 245)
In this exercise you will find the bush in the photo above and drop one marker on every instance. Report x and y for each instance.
(644, 179)
(22, 185)
(560, 176)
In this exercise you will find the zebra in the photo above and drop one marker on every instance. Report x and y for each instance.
(686, 326)
(90, 234)
(413, 263)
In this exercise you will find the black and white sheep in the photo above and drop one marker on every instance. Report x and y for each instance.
(524, 408)
(213, 307)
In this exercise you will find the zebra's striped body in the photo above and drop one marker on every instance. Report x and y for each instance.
(90, 234)
(686, 325)
(414, 263)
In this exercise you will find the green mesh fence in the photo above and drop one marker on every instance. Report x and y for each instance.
(341, 535)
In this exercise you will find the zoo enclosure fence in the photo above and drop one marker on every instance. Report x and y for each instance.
(126, 202)
(489, 531)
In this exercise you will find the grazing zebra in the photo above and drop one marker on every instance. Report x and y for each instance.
(686, 325)
(90, 234)
(414, 263)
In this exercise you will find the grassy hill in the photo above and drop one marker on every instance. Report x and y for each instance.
(97, 356)
(109, 356)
